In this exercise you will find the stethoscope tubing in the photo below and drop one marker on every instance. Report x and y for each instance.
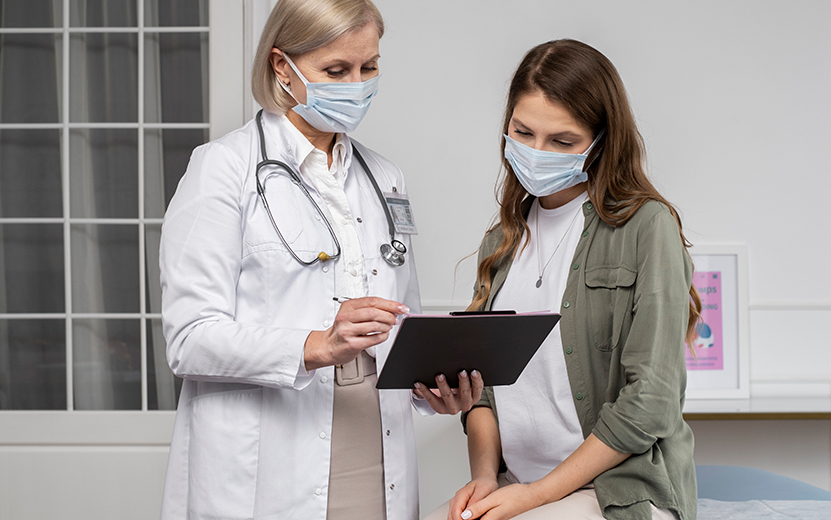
(394, 259)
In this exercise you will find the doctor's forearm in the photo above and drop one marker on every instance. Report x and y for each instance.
(483, 443)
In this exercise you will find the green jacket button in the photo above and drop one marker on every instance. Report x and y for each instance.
(579, 396)
(569, 350)
(589, 206)
(586, 233)
(566, 305)
(575, 266)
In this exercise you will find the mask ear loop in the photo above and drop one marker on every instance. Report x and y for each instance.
(596, 153)
(285, 86)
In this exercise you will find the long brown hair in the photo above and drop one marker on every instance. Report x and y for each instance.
(586, 83)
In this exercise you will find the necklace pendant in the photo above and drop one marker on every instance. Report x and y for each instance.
(539, 282)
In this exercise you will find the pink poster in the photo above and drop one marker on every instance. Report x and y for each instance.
(709, 341)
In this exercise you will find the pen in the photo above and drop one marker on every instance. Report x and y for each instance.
(341, 299)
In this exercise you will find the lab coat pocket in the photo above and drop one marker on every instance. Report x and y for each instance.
(224, 446)
(609, 303)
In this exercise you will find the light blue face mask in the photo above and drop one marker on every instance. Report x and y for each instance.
(336, 106)
(544, 173)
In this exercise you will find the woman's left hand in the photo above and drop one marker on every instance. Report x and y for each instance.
(450, 401)
(504, 503)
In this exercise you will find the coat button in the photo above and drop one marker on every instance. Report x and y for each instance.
(326, 323)
(359, 219)
(586, 233)
(589, 206)
(388, 432)
(322, 435)
(324, 379)
(569, 350)
(375, 272)
(579, 396)
(325, 268)
(575, 266)
(392, 486)
(566, 305)
(318, 491)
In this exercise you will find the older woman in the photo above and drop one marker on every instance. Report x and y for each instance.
(283, 273)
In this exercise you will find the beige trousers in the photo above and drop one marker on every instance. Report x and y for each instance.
(580, 505)
(356, 474)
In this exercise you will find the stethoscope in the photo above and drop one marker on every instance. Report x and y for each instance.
(392, 253)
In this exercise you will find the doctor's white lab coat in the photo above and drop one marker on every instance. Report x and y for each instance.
(253, 428)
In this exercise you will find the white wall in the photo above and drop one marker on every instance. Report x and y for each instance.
(734, 102)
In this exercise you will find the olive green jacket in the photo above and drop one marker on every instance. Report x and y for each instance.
(624, 318)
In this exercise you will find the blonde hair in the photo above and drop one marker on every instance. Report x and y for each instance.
(299, 26)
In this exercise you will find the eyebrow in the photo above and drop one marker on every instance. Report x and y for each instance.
(566, 134)
(344, 63)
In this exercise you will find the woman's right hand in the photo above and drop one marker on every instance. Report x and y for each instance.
(473, 492)
(360, 323)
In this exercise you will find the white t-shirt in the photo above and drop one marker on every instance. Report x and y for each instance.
(537, 419)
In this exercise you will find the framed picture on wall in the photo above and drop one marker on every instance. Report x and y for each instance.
(718, 359)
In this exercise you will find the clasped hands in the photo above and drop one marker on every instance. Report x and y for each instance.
(362, 323)
(483, 498)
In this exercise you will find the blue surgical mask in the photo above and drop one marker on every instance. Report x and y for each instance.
(335, 106)
(544, 173)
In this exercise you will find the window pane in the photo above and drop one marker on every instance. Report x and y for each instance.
(32, 365)
(103, 78)
(163, 387)
(152, 238)
(106, 364)
(105, 268)
(103, 173)
(166, 156)
(176, 78)
(31, 13)
(30, 173)
(33, 268)
(103, 13)
(180, 13)
(30, 94)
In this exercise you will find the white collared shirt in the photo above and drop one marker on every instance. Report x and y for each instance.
(329, 181)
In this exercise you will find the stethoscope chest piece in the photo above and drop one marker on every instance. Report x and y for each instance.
(393, 253)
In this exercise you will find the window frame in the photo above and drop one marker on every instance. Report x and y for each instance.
(227, 30)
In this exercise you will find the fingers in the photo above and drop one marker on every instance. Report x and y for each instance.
(478, 509)
(435, 402)
(464, 398)
(446, 400)
(460, 502)
(373, 302)
(477, 385)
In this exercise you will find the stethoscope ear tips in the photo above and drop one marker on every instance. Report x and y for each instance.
(393, 254)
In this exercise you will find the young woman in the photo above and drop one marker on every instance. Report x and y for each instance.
(593, 427)
(281, 281)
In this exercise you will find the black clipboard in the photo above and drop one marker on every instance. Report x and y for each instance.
(498, 345)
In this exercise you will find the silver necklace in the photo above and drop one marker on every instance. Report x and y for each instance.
(541, 268)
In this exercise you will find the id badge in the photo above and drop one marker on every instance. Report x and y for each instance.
(402, 215)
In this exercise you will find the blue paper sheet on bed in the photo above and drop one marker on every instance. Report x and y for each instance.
(738, 493)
